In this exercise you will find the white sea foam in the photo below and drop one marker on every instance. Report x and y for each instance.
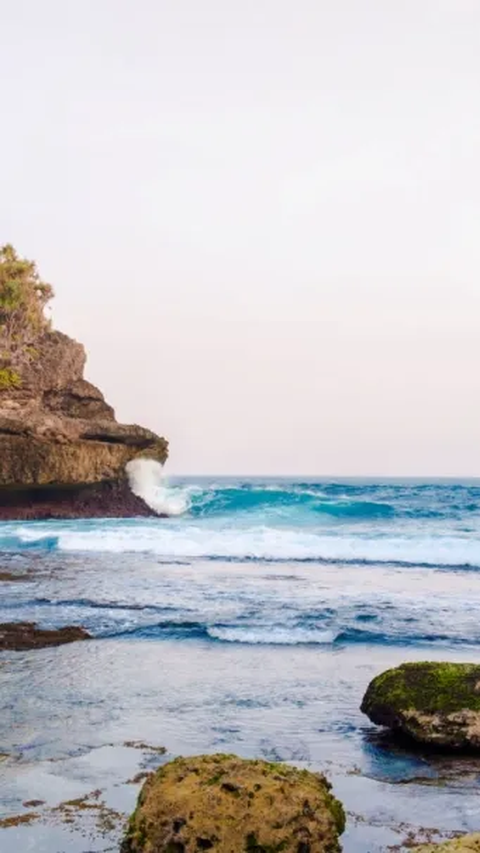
(146, 480)
(181, 539)
(272, 636)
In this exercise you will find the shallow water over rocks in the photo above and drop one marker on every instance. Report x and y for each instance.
(83, 718)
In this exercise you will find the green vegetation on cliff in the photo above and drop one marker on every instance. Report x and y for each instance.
(23, 297)
(9, 379)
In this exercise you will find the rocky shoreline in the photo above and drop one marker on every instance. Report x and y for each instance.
(21, 636)
(107, 499)
(62, 452)
(63, 455)
(227, 802)
(224, 803)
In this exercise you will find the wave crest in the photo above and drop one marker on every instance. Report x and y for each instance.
(178, 540)
(146, 480)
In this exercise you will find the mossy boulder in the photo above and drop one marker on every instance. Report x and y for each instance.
(230, 805)
(434, 703)
(467, 844)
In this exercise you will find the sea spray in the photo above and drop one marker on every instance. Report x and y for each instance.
(146, 480)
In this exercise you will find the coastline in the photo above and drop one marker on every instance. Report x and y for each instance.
(251, 625)
(90, 759)
(107, 499)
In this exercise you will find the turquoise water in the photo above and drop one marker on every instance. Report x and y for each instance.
(250, 621)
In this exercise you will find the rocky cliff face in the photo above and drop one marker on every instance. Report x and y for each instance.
(62, 453)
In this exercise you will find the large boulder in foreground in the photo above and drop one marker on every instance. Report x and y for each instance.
(467, 844)
(433, 703)
(227, 804)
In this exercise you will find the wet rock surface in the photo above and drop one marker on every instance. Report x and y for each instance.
(108, 499)
(12, 577)
(20, 636)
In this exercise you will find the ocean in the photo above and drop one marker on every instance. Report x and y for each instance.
(249, 621)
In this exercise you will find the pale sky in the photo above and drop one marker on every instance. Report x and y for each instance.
(262, 218)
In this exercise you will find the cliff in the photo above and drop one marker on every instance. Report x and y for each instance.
(62, 453)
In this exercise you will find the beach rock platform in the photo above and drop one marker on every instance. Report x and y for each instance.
(434, 704)
(20, 636)
(466, 844)
(224, 803)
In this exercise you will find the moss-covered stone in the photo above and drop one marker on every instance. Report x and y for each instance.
(467, 844)
(230, 805)
(433, 703)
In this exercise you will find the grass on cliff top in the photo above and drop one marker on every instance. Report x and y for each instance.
(428, 687)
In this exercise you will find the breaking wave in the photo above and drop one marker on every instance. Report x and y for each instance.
(302, 503)
(190, 541)
(146, 480)
(284, 520)
(295, 635)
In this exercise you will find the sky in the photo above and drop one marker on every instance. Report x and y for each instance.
(262, 218)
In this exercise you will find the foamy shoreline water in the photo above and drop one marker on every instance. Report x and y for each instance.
(262, 657)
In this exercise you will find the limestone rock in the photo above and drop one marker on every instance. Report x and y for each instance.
(55, 362)
(58, 433)
(229, 805)
(433, 703)
(79, 399)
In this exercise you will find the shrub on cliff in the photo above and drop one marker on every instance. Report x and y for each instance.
(23, 297)
(9, 379)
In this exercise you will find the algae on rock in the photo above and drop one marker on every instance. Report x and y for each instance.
(433, 703)
(466, 844)
(224, 803)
